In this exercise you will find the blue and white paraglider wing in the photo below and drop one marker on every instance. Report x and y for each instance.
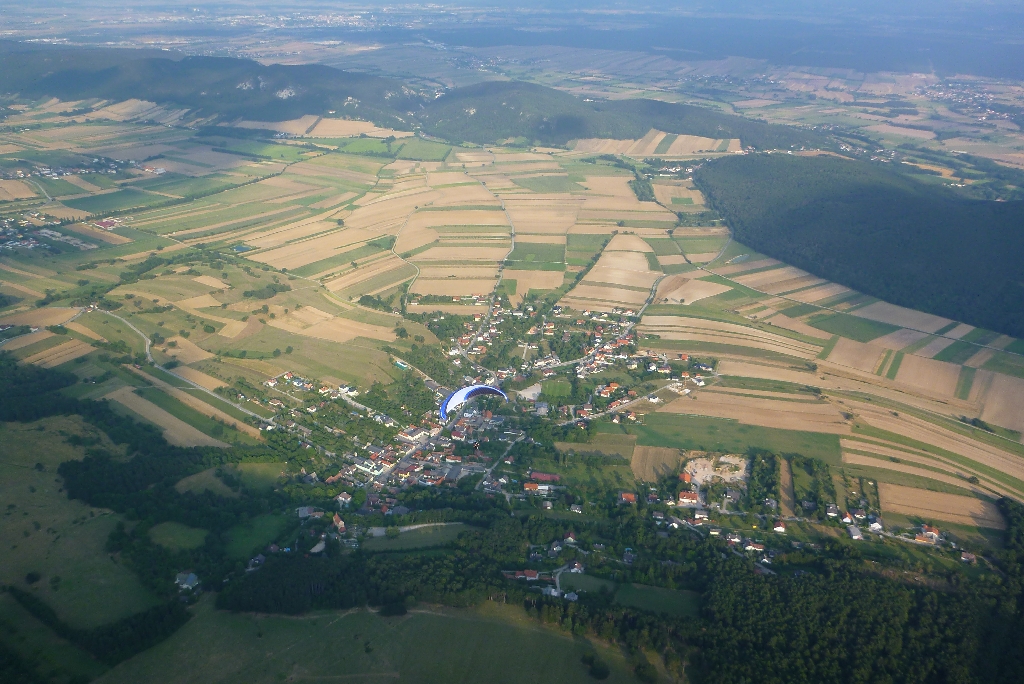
(461, 396)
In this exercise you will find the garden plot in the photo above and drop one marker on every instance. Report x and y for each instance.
(884, 312)
(176, 431)
(810, 416)
(679, 289)
(937, 436)
(62, 353)
(1004, 402)
(928, 505)
(297, 254)
(699, 329)
(313, 322)
(928, 375)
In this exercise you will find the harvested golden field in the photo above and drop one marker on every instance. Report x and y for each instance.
(176, 431)
(741, 267)
(304, 252)
(472, 272)
(201, 302)
(541, 239)
(784, 286)
(533, 280)
(358, 275)
(21, 288)
(665, 193)
(25, 340)
(186, 352)
(15, 190)
(671, 259)
(650, 463)
(928, 375)
(199, 378)
(459, 309)
(456, 217)
(860, 355)
(797, 326)
(702, 257)
(885, 312)
(812, 416)
(543, 214)
(699, 329)
(747, 369)
(62, 353)
(59, 211)
(1004, 402)
(645, 147)
(617, 295)
(212, 282)
(387, 213)
(775, 275)
(966, 510)
(295, 126)
(818, 293)
(82, 330)
(450, 253)
(900, 339)
(453, 287)
(313, 322)
(40, 317)
(98, 234)
(933, 347)
(343, 128)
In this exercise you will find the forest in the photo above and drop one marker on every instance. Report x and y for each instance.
(869, 228)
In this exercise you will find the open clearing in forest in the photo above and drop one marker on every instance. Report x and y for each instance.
(176, 431)
(928, 505)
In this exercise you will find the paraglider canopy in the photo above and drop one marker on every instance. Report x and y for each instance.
(460, 397)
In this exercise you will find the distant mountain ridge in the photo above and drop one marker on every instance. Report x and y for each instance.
(483, 113)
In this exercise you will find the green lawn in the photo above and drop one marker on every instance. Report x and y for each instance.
(537, 252)
(556, 389)
(418, 149)
(429, 646)
(61, 661)
(422, 538)
(852, 327)
(546, 184)
(716, 434)
(675, 602)
(176, 536)
(245, 540)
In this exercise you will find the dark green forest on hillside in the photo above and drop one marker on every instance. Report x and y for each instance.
(879, 232)
(492, 111)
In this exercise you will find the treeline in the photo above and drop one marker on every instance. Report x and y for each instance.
(879, 232)
(115, 642)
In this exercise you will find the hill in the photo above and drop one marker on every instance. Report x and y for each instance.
(879, 232)
(228, 87)
(496, 110)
